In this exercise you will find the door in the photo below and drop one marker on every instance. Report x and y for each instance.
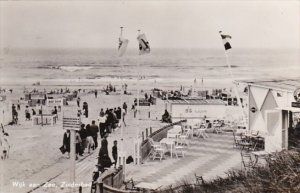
(274, 137)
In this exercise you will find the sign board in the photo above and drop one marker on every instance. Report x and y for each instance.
(37, 96)
(71, 123)
(142, 102)
(186, 111)
(296, 104)
(55, 102)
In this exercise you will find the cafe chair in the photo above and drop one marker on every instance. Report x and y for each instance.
(247, 162)
(158, 152)
(179, 150)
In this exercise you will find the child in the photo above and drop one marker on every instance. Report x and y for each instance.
(115, 152)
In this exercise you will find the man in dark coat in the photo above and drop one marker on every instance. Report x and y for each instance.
(66, 141)
(104, 159)
(83, 136)
(95, 130)
(85, 109)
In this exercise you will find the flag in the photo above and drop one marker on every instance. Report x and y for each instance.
(143, 44)
(122, 46)
(225, 40)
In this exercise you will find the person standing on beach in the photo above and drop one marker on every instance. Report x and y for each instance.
(96, 93)
(115, 152)
(27, 114)
(119, 115)
(13, 110)
(124, 114)
(102, 120)
(78, 102)
(85, 109)
(95, 130)
(18, 105)
(125, 107)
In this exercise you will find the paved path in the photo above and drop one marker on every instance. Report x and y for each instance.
(209, 158)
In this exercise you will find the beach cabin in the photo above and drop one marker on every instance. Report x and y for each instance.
(195, 110)
(273, 110)
(5, 112)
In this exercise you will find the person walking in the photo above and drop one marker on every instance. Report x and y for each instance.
(85, 109)
(102, 121)
(78, 101)
(83, 136)
(94, 132)
(103, 157)
(66, 142)
(78, 145)
(125, 107)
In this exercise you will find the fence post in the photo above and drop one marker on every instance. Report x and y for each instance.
(143, 137)
(80, 189)
(150, 130)
(101, 187)
(147, 133)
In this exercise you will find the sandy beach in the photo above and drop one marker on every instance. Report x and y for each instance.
(34, 149)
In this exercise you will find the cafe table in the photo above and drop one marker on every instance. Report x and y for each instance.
(169, 142)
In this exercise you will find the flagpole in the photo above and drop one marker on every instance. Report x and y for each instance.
(138, 110)
(122, 131)
(235, 88)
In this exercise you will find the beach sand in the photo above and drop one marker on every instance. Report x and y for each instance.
(34, 149)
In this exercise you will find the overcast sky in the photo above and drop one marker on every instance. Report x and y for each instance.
(177, 24)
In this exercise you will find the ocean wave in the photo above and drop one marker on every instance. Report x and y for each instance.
(74, 68)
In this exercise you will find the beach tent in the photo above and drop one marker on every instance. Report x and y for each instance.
(270, 109)
(5, 113)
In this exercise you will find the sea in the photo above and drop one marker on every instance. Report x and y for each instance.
(169, 66)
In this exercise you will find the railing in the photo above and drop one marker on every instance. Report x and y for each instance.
(111, 182)
(156, 136)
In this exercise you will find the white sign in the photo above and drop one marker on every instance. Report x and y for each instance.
(37, 96)
(71, 123)
(185, 111)
(55, 102)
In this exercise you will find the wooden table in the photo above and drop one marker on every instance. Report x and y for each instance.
(169, 142)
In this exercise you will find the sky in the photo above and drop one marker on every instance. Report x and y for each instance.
(167, 24)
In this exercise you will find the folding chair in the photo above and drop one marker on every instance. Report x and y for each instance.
(179, 150)
(184, 138)
(247, 162)
(199, 180)
(158, 152)
(237, 141)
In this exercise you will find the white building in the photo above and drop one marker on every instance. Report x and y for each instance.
(271, 110)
